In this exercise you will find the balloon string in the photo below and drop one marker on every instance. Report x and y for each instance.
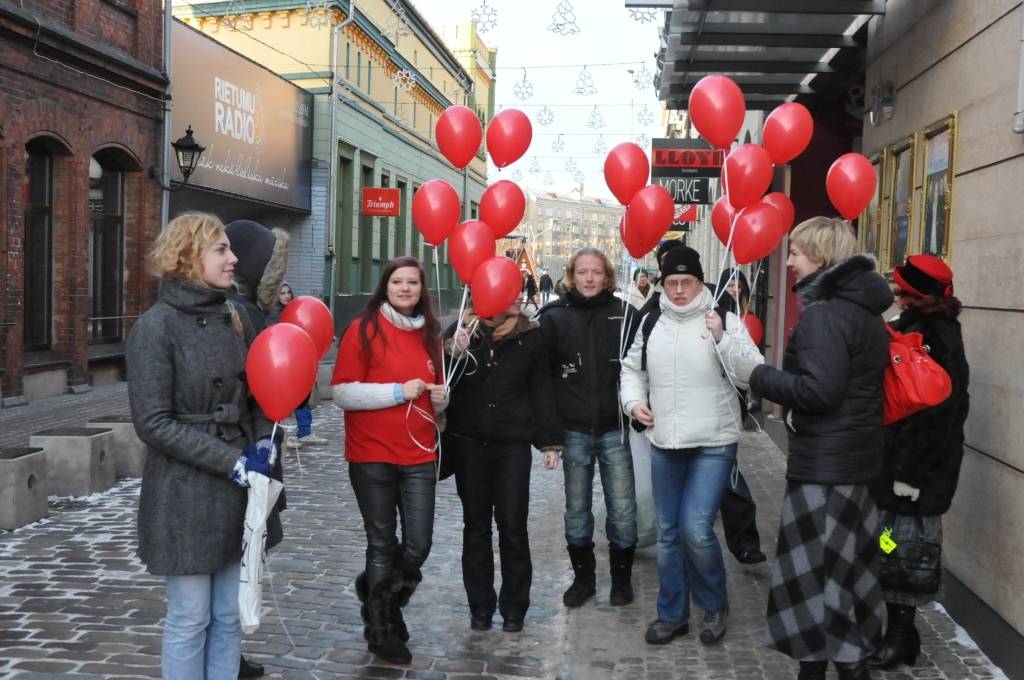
(437, 281)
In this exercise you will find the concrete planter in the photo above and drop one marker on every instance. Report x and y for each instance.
(79, 460)
(129, 451)
(23, 486)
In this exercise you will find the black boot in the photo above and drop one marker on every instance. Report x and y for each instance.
(382, 637)
(853, 671)
(248, 669)
(812, 670)
(584, 585)
(621, 563)
(902, 641)
(403, 590)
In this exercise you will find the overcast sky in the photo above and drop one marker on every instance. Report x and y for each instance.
(609, 43)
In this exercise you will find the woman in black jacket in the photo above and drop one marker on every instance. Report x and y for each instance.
(825, 603)
(922, 452)
(501, 404)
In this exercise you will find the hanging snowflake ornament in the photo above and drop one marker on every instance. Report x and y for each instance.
(517, 175)
(643, 16)
(585, 84)
(558, 146)
(317, 15)
(599, 146)
(237, 16)
(645, 116)
(642, 77)
(484, 16)
(548, 179)
(642, 140)
(397, 25)
(534, 165)
(570, 165)
(405, 80)
(563, 21)
(522, 89)
(578, 177)
(596, 120)
(545, 116)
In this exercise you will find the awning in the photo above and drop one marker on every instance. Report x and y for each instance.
(775, 50)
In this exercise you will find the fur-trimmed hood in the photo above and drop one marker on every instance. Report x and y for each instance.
(853, 278)
(262, 261)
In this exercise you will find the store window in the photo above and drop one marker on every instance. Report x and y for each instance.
(901, 223)
(106, 250)
(939, 147)
(38, 246)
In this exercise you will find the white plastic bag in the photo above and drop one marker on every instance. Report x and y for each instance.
(646, 519)
(263, 493)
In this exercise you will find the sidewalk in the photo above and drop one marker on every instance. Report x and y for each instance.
(75, 603)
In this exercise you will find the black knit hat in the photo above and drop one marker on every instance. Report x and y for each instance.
(666, 246)
(684, 260)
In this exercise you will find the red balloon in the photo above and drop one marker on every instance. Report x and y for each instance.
(721, 219)
(851, 184)
(717, 109)
(758, 232)
(633, 240)
(781, 202)
(281, 368)
(312, 316)
(650, 215)
(754, 327)
(469, 246)
(495, 286)
(626, 170)
(787, 132)
(458, 134)
(435, 210)
(747, 174)
(508, 136)
(502, 207)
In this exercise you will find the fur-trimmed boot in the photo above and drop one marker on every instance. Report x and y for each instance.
(584, 566)
(404, 587)
(621, 563)
(383, 639)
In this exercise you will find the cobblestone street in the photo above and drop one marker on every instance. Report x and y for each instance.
(76, 603)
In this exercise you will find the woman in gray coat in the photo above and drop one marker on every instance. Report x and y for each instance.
(191, 406)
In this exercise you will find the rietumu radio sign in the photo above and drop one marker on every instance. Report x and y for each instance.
(255, 125)
(685, 167)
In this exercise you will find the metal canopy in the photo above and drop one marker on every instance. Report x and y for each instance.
(775, 50)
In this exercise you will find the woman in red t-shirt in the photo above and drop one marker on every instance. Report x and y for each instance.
(388, 381)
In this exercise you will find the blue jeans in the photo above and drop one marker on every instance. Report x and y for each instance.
(304, 418)
(580, 452)
(202, 634)
(688, 486)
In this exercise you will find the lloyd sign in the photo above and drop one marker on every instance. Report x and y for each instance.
(685, 167)
(380, 202)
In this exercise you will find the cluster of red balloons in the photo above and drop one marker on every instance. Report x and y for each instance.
(282, 361)
(649, 207)
(495, 281)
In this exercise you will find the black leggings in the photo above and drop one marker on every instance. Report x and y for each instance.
(383, 491)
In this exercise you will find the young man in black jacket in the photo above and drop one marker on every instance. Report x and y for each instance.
(583, 331)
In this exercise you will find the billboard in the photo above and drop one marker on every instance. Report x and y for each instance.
(685, 168)
(256, 126)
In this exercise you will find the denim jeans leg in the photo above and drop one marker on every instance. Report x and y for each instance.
(188, 617)
(616, 465)
(578, 465)
(224, 636)
(706, 477)
(304, 419)
(668, 477)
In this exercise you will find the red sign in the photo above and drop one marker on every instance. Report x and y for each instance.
(685, 213)
(705, 159)
(380, 202)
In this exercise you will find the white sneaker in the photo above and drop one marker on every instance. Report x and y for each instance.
(312, 440)
(292, 442)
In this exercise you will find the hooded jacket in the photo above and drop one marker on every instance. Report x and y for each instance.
(582, 337)
(924, 449)
(262, 260)
(831, 377)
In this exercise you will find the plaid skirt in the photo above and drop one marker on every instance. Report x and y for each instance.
(825, 602)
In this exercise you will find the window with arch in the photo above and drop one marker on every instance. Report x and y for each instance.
(38, 246)
(106, 249)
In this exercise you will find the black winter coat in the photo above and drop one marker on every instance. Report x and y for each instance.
(831, 377)
(924, 450)
(582, 336)
(506, 392)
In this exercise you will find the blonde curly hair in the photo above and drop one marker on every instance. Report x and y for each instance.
(177, 249)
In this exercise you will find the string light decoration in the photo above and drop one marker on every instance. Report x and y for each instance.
(596, 121)
(558, 146)
(599, 146)
(642, 140)
(585, 84)
(405, 80)
(563, 21)
(578, 177)
(237, 16)
(517, 175)
(645, 116)
(642, 77)
(545, 116)
(570, 165)
(548, 179)
(643, 16)
(316, 13)
(398, 23)
(534, 165)
(484, 16)
(522, 89)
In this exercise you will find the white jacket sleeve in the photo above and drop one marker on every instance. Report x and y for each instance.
(360, 396)
(633, 386)
(738, 352)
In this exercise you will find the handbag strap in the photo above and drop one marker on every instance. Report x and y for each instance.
(891, 330)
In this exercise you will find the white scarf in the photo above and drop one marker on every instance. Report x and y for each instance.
(399, 320)
(696, 306)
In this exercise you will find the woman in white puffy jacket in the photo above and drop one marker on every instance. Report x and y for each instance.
(681, 391)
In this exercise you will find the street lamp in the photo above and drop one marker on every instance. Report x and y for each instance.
(187, 151)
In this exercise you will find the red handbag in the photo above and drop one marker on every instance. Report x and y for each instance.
(913, 381)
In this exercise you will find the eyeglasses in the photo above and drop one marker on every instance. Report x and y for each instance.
(682, 284)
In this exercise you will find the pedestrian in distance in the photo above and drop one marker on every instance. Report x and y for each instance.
(677, 381)
(922, 458)
(546, 286)
(641, 289)
(582, 331)
(530, 289)
(501, 405)
(203, 432)
(825, 603)
(388, 381)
